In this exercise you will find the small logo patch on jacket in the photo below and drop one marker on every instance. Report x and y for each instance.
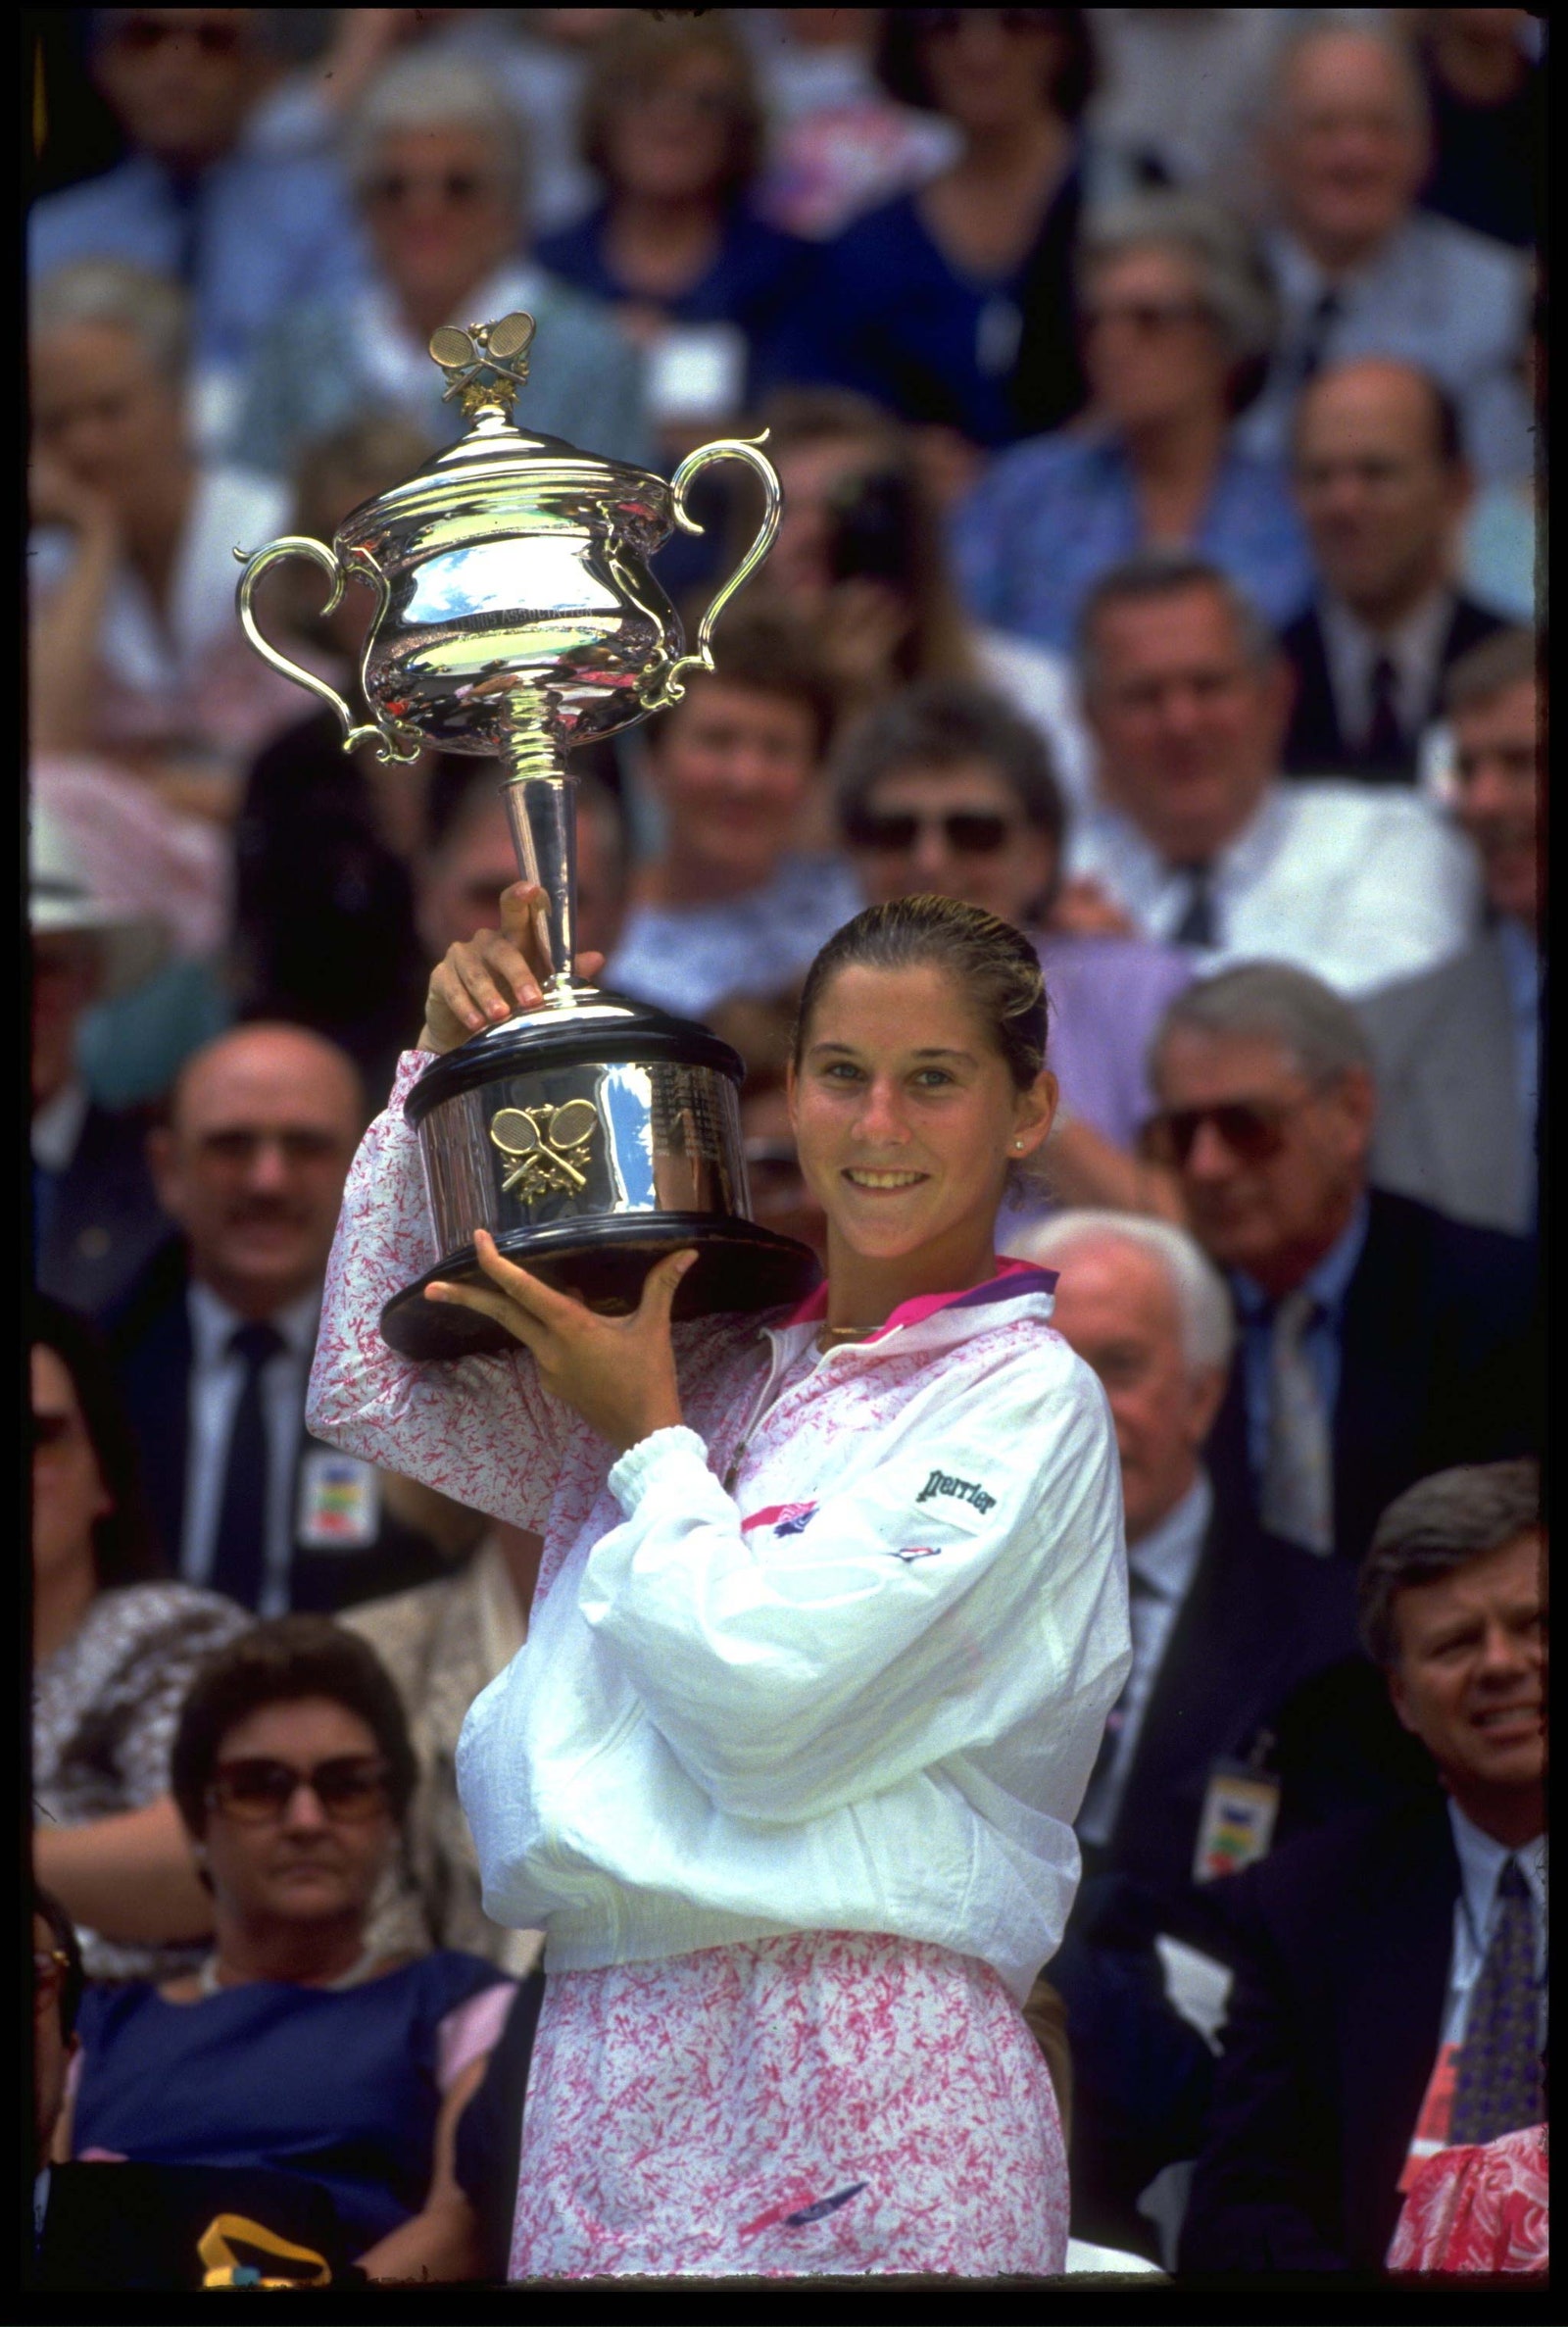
(785, 1518)
(964, 1490)
(919, 1551)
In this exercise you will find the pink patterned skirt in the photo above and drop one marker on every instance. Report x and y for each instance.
(830, 2101)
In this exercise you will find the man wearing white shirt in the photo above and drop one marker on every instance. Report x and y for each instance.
(1390, 1998)
(1192, 837)
(213, 1346)
(1361, 270)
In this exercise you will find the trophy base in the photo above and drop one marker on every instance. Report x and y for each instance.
(740, 1267)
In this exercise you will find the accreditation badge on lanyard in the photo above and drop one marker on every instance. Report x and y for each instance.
(340, 1501)
(1239, 1807)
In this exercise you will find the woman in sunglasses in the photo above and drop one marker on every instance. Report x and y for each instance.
(114, 1646)
(292, 2045)
(1177, 316)
(831, 1611)
(946, 791)
(438, 161)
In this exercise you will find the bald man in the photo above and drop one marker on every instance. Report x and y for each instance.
(215, 1343)
(1383, 487)
(1360, 270)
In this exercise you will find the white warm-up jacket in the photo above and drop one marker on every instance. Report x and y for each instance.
(837, 1657)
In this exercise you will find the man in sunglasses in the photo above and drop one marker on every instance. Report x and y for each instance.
(1380, 1340)
(246, 232)
(214, 1343)
(1194, 838)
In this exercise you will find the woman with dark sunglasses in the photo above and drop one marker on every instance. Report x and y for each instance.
(946, 791)
(294, 2045)
(831, 1611)
(116, 1643)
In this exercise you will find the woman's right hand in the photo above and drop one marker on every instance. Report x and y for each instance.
(490, 977)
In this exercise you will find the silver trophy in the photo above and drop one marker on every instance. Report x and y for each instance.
(516, 616)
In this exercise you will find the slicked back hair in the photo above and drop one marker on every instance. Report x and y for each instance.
(1440, 1524)
(1273, 999)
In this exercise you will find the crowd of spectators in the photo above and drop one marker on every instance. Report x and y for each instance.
(1156, 397)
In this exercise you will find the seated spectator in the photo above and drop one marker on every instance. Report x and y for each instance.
(136, 652)
(437, 160)
(672, 126)
(860, 556)
(1226, 1621)
(730, 905)
(1480, 2208)
(293, 1771)
(442, 1643)
(1361, 270)
(1379, 1339)
(95, 1219)
(1486, 95)
(1458, 1050)
(245, 233)
(1390, 1995)
(1177, 317)
(115, 1647)
(944, 792)
(1196, 840)
(214, 1344)
(1382, 486)
(951, 305)
(323, 907)
(1181, 93)
(839, 144)
(111, 2228)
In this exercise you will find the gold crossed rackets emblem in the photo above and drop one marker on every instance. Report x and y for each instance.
(547, 1146)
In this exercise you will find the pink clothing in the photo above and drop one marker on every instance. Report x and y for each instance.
(831, 2102)
(817, 2100)
(1480, 2210)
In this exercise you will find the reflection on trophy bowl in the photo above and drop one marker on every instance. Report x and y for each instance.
(507, 613)
(588, 1143)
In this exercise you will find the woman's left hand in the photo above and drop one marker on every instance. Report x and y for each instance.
(619, 1373)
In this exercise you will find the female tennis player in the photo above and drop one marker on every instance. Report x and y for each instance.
(831, 1611)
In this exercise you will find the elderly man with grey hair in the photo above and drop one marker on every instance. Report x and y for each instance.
(1360, 270)
(1225, 1621)
(1380, 1340)
(1390, 1996)
(1193, 836)
(437, 160)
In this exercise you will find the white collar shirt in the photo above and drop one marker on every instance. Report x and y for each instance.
(217, 1380)
(56, 1127)
(1162, 1567)
(1414, 650)
(1482, 1860)
(396, 360)
(1360, 885)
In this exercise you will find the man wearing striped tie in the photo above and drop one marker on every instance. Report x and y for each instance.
(1389, 1999)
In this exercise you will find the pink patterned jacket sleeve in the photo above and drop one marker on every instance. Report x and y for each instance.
(1480, 2210)
(482, 1430)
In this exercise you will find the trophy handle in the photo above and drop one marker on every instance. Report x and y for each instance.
(671, 686)
(389, 740)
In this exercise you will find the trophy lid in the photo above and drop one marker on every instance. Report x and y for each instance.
(497, 471)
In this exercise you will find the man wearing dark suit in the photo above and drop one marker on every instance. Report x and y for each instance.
(1380, 1341)
(1458, 1049)
(1382, 487)
(95, 1217)
(214, 1345)
(1389, 1995)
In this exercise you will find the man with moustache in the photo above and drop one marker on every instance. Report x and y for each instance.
(214, 1344)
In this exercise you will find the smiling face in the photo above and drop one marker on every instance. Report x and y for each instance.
(953, 832)
(303, 1866)
(1349, 145)
(1469, 1672)
(907, 1119)
(733, 768)
(1496, 768)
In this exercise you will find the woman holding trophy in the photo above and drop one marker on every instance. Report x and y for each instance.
(831, 1611)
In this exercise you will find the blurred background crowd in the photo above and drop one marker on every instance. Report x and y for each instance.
(1157, 396)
